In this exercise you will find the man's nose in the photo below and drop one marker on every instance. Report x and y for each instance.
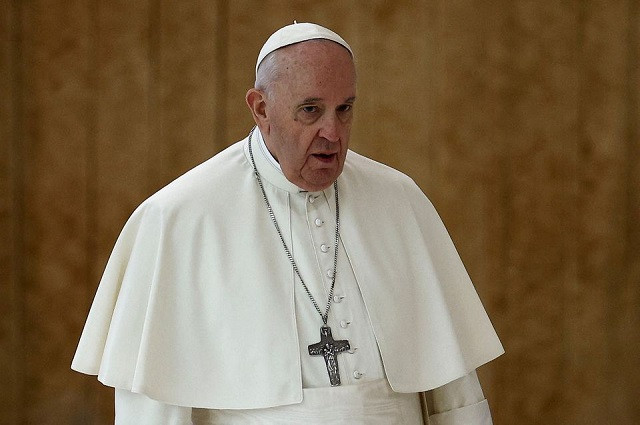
(330, 127)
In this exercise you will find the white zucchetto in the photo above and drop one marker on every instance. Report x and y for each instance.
(296, 33)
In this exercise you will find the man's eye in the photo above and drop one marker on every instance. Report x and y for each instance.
(310, 109)
(344, 108)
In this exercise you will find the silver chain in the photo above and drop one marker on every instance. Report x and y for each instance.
(324, 316)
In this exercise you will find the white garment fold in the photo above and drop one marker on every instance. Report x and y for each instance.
(476, 414)
(138, 409)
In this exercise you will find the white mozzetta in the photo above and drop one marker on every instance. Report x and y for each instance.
(197, 299)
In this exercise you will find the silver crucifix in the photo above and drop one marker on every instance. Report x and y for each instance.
(329, 349)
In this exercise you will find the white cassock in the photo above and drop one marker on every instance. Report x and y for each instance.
(200, 319)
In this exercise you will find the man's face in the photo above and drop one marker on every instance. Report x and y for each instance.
(309, 112)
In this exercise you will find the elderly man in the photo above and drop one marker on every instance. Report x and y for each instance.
(289, 280)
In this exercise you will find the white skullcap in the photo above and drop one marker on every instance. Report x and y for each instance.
(296, 33)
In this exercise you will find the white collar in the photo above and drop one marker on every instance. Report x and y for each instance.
(269, 168)
(266, 151)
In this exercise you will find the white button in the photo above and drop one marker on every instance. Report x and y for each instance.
(338, 298)
(312, 199)
(319, 222)
(344, 324)
(329, 273)
(324, 248)
(357, 374)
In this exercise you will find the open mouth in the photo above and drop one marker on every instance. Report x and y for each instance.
(324, 157)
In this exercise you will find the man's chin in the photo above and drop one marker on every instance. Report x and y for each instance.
(319, 179)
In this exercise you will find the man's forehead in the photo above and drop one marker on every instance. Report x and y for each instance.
(312, 51)
(298, 33)
(308, 100)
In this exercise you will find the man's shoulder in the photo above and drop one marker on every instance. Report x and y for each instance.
(210, 180)
(364, 170)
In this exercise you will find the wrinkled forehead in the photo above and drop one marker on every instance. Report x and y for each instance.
(314, 69)
(318, 52)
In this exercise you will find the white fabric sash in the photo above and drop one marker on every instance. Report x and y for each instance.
(371, 403)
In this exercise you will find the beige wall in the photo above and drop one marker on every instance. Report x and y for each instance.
(518, 118)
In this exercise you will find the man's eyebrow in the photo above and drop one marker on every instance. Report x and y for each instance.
(319, 99)
(310, 100)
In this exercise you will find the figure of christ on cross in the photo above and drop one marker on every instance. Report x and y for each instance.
(329, 349)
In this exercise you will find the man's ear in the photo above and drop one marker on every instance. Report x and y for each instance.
(256, 100)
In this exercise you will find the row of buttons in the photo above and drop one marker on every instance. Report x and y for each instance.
(324, 247)
(336, 298)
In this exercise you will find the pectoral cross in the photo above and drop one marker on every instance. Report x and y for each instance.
(329, 349)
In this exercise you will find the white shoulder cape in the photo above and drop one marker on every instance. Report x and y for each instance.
(192, 309)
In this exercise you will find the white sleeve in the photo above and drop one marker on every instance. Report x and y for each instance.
(460, 402)
(138, 409)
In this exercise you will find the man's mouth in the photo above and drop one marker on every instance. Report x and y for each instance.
(325, 157)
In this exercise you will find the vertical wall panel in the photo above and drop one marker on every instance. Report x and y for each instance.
(385, 51)
(541, 111)
(601, 197)
(118, 176)
(10, 302)
(629, 341)
(624, 340)
(56, 47)
(244, 39)
(187, 87)
(466, 145)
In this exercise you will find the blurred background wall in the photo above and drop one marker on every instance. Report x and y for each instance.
(518, 118)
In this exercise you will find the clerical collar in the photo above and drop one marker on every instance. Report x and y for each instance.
(268, 168)
(266, 151)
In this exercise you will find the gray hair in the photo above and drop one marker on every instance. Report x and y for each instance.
(267, 74)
